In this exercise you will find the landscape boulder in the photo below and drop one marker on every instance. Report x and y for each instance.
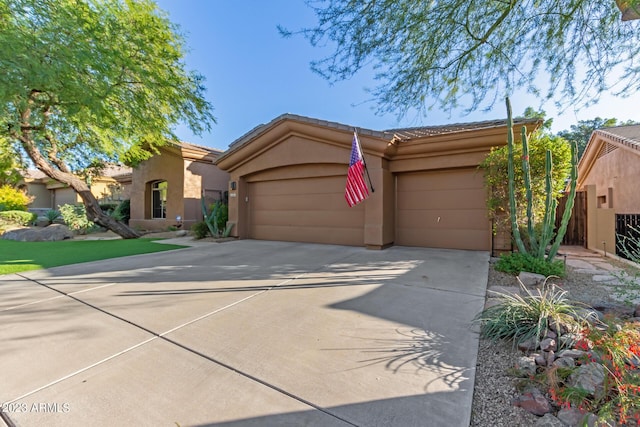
(51, 233)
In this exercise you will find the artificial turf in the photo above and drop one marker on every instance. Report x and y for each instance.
(24, 256)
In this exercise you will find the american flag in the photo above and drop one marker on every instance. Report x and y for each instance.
(356, 189)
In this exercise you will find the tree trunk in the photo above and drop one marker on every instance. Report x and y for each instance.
(94, 213)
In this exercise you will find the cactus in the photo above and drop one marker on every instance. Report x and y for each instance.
(538, 244)
(515, 231)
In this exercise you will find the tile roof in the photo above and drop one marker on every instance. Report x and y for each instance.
(402, 134)
(201, 147)
(405, 134)
(626, 135)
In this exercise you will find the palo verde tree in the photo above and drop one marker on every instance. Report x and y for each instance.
(473, 52)
(90, 81)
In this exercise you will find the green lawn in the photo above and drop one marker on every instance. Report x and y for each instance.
(24, 256)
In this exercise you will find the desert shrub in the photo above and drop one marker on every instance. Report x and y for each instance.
(75, 217)
(614, 347)
(517, 262)
(12, 199)
(519, 318)
(23, 218)
(200, 230)
(123, 211)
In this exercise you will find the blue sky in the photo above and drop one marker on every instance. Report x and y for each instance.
(254, 75)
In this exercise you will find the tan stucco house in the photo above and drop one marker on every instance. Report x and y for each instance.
(167, 189)
(111, 186)
(287, 182)
(609, 172)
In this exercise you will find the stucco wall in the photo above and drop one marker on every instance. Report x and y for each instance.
(186, 178)
(42, 198)
(167, 166)
(199, 176)
(65, 196)
(618, 170)
(600, 224)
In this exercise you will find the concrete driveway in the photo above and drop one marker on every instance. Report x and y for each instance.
(245, 333)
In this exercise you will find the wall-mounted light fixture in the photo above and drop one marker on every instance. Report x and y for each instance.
(233, 185)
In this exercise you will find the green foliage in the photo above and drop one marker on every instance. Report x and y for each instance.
(517, 262)
(123, 211)
(519, 318)
(125, 82)
(539, 232)
(200, 230)
(495, 166)
(22, 218)
(86, 82)
(108, 208)
(12, 199)
(447, 53)
(219, 216)
(75, 217)
(52, 215)
(9, 166)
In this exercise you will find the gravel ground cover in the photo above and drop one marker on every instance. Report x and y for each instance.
(494, 388)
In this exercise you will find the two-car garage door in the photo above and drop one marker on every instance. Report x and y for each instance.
(442, 209)
(439, 209)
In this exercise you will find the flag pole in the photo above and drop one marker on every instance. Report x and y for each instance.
(355, 131)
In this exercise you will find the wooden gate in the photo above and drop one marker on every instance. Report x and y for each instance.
(577, 228)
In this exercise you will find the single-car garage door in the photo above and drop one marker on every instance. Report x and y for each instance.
(304, 210)
(442, 209)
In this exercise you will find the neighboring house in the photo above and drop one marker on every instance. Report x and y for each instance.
(112, 186)
(167, 189)
(609, 172)
(288, 181)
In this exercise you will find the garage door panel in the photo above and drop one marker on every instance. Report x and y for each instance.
(444, 199)
(443, 180)
(446, 219)
(465, 239)
(323, 202)
(328, 235)
(302, 218)
(287, 187)
(442, 209)
(304, 210)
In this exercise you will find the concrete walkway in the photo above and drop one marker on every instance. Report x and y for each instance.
(245, 333)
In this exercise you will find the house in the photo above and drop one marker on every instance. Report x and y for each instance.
(609, 173)
(111, 186)
(167, 189)
(287, 182)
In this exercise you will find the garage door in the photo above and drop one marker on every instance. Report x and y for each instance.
(442, 209)
(304, 210)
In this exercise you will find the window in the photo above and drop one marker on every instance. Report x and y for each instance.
(159, 199)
